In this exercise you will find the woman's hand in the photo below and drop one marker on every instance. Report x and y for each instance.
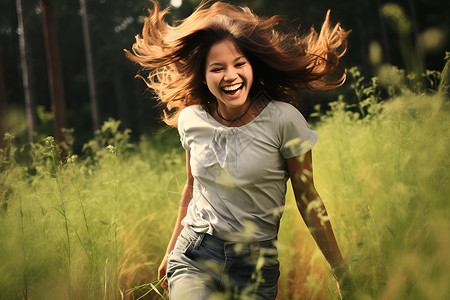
(162, 270)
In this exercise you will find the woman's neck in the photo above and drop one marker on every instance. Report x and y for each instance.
(230, 114)
(240, 116)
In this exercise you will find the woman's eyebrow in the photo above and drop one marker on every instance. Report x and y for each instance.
(215, 64)
(220, 64)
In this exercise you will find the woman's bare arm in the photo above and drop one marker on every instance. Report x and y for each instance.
(313, 211)
(186, 197)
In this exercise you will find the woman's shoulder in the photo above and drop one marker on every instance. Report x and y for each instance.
(285, 110)
(191, 108)
(191, 114)
(283, 105)
(190, 111)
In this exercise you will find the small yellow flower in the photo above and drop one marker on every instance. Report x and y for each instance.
(111, 149)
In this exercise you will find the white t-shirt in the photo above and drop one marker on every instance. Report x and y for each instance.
(240, 172)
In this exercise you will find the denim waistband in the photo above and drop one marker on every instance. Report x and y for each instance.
(219, 244)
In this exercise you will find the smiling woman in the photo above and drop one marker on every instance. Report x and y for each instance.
(229, 77)
(225, 75)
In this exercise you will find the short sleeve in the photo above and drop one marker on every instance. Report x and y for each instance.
(182, 128)
(295, 135)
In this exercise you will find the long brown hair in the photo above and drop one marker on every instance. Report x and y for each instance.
(175, 55)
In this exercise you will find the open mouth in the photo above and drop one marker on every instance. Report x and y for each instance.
(232, 89)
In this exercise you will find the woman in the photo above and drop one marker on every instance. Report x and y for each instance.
(217, 72)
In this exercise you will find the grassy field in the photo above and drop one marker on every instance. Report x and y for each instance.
(98, 225)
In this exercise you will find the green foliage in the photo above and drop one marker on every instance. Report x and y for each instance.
(368, 97)
(108, 135)
(386, 179)
(45, 122)
(69, 230)
(445, 78)
(383, 171)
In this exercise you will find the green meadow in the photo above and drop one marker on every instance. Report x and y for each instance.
(97, 226)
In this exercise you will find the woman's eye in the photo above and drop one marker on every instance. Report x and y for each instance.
(216, 70)
(240, 64)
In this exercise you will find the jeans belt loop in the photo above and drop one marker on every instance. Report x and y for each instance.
(199, 240)
(253, 251)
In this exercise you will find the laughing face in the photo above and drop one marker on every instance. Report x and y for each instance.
(229, 77)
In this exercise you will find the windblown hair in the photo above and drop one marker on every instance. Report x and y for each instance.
(175, 55)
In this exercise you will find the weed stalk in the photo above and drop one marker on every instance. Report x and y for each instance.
(25, 264)
(53, 151)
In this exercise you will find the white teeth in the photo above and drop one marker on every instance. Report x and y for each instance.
(232, 88)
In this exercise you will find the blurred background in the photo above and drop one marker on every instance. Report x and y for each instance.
(93, 81)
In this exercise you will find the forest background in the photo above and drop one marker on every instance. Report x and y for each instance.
(412, 36)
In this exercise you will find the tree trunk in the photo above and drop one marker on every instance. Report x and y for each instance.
(55, 77)
(29, 103)
(89, 65)
(413, 12)
(3, 114)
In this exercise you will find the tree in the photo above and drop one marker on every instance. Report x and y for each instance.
(29, 103)
(90, 65)
(55, 77)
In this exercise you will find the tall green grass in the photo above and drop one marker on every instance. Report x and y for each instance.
(382, 169)
(385, 181)
(88, 229)
(97, 226)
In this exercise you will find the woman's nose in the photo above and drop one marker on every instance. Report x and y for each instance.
(230, 75)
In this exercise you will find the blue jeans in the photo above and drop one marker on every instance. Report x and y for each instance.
(201, 266)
